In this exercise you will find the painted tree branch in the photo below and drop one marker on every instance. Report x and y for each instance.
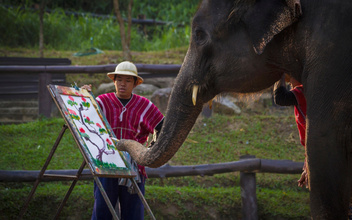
(101, 150)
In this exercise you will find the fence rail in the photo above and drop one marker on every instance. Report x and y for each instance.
(255, 165)
(142, 69)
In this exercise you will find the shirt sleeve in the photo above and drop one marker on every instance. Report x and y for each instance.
(284, 97)
(155, 118)
(100, 103)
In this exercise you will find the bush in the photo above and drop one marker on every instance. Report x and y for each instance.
(20, 28)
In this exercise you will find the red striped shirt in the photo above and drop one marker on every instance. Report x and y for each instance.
(134, 121)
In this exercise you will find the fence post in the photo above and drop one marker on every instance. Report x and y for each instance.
(44, 97)
(207, 112)
(248, 193)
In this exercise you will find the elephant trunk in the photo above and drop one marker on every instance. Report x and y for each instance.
(180, 117)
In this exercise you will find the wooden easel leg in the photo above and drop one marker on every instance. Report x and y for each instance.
(106, 198)
(140, 194)
(40, 176)
(79, 172)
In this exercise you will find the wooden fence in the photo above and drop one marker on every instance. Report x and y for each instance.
(23, 86)
(248, 166)
(46, 72)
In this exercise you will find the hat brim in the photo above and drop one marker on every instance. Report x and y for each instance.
(111, 75)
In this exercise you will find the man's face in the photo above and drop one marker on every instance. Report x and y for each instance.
(124, 86)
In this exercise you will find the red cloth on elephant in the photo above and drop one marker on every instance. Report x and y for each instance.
(134, 121)
(300, 112)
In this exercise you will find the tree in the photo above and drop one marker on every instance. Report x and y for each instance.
(125, 35)
(42, 7)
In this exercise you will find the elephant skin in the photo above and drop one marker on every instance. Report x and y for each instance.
(245, 46)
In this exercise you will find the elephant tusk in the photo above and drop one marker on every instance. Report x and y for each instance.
(194, 94)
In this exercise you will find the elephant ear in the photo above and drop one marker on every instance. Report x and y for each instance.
(269, 17)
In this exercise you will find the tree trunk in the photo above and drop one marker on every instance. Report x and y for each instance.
(129, 23)
(41, 28)
(125, 37)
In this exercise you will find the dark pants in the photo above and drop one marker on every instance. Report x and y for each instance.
(131, 205)
(350, 210)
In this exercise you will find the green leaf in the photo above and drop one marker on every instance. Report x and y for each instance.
(102, 131)
(86, 104)
(75, 117)
(71, 103)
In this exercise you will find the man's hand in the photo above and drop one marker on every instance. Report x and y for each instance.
(303, 181)
(87, 87)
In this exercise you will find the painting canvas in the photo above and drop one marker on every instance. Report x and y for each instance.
(91, 131)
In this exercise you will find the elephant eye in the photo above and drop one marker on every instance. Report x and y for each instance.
(200, 36)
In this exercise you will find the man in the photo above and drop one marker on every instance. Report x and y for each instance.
(130, 117)
(296, 98)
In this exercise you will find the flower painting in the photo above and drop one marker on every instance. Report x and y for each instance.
(91, 131)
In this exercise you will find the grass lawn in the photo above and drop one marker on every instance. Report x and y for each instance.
(26, 147)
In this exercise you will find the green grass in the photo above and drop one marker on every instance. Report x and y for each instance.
(166, 202)
(26, 146)
(270, 135)
(241, 135)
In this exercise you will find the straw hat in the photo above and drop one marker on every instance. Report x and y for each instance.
(126, 68)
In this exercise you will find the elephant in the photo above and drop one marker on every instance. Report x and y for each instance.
(245, 46)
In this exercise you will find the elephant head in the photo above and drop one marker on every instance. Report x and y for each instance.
(226, 54)
(245, 46)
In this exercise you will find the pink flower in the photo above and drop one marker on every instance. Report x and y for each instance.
(83, 99)
(82, 130)
(88, 118)
(109, 141)
(98, 125)
(71, 98)
(79, 94)
(71, 111)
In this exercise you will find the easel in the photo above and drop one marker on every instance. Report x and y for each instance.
(75, 178)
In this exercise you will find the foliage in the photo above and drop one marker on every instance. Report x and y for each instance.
(181, 11)
(20, 28)
(93, 6)
(175, 11)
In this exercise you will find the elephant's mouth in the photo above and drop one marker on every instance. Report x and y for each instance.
(195, 91)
